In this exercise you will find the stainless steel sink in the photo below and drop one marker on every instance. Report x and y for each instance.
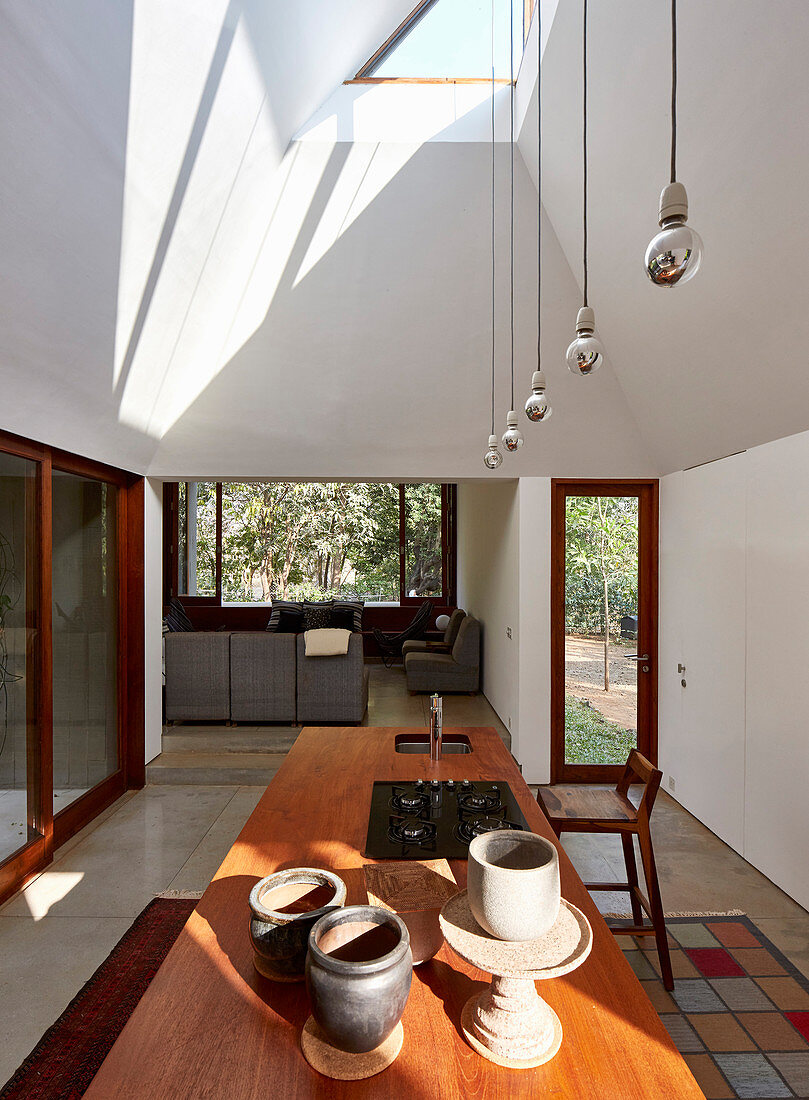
(453, 745)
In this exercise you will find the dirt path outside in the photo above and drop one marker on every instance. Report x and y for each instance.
(584, 678)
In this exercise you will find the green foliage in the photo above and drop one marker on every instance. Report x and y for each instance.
(591, 739)
(308, 540)
(601, 545)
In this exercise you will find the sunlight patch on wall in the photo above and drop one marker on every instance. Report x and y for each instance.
(202, 143)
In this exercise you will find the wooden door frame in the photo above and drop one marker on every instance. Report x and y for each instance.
(647, 491)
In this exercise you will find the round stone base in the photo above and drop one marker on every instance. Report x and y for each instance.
(341, 1065)
(501, 1055)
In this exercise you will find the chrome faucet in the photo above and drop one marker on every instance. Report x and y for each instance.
(436, 727)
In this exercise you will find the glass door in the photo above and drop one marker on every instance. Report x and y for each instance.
(604, 627)
(20, 792)
(86, 599)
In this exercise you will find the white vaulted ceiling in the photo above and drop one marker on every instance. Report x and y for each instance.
(717, 365)
(216, 260)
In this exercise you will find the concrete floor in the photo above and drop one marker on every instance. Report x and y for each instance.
(56, 932)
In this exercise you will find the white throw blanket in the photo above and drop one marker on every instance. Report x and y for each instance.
(328, 642)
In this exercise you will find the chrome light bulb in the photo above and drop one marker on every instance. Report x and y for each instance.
(512, 436)
(492, 459)
(536, 407)
(586, 354)
(674, 255)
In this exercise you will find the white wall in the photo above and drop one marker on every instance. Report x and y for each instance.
(535, 629)
(488, 587)
(153, 603)
(735, 611)
(504, 580)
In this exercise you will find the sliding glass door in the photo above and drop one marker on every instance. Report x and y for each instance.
(85, 635)
(71, 648)
(20, 795)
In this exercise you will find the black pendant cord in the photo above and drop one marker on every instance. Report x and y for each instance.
(584, 146)
(493, 224)
(673, 90)
(511, 147)
(539, 184)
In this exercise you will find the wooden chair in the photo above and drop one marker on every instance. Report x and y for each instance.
(579, 809)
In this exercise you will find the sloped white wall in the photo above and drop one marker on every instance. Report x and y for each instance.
(735, 609)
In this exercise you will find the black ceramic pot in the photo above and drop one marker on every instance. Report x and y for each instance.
(358, 973)
(283, 909)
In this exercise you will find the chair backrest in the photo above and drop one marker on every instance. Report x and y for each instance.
(640, 770)
(466, 650)
(453, 626)
(419, 622)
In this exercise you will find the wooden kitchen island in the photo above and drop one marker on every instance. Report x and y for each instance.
(209, 1026)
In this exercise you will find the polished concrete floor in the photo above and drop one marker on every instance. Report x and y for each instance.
(56, 932)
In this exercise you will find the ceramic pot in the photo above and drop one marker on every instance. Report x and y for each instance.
(283, 909)
(358, 974)
(513, 884)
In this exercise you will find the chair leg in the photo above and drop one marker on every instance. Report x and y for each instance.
(632, 876)
(656, 905)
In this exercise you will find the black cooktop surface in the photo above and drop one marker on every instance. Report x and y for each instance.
(434, 819)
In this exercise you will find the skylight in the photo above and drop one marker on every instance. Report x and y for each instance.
(453, 40)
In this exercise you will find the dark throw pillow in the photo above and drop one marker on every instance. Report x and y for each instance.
(342, 618)
(289, 622)
(287, 608)
(353, 606)
(316, 616)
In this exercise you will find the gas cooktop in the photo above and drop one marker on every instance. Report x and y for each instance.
(435, 818)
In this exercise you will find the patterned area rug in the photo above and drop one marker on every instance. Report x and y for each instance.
(69, 1054)
(739, 1013)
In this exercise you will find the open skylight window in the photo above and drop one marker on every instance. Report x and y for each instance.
(452, 40)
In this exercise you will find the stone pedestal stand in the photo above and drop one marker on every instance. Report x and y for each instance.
(509, 1023)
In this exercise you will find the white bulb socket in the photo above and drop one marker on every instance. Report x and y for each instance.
(492, 442)
(673, 204)
(538, 381)
(586, 321)
(511, 419)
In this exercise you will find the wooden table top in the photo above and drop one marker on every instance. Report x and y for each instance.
(210, 1026)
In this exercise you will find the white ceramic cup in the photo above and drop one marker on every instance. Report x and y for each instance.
(513, 884)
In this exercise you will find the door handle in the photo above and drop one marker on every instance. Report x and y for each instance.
(636, 656)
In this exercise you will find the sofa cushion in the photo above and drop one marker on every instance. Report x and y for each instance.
(288, 608)
(316, 615)
(453, 626)
(342, 608)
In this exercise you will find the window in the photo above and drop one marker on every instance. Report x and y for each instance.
(452, 39)
(252, 542)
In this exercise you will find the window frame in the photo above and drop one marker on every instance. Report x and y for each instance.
(171, 550)
(365, 74)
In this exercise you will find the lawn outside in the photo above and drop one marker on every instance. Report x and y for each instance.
(590, 738)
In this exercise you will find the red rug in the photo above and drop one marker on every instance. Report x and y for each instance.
(69, 1054)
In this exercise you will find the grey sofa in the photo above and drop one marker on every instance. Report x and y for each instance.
(261, 676)
(198, 677)
(455, 671)
(332, 689)
(421, 645)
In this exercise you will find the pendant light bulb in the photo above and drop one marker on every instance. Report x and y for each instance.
(512, 436)
(537, 407)
(674, 255)
(492, 459)
(586, 354)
